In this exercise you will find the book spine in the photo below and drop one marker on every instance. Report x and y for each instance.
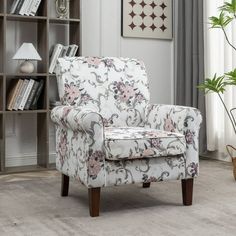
(57, 50)
(31, 96)
(64, 51)
(68, 51)
(75, 48)
(33, 106)
(21, 94)
(14, 84)
(13, 6)
(26, 94)
(19, 5)
(35, 7)
(16, 97)
(29, 7)
(22, 10)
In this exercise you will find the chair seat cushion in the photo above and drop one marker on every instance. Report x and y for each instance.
(141, 142)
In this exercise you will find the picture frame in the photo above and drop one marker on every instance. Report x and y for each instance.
(147, 19)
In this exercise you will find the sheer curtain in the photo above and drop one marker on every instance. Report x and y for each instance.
(219, 58)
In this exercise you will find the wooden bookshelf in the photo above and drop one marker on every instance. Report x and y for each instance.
(48, 31)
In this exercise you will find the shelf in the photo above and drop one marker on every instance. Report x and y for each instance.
(26, 111)
(26, 75)
(63, 21)
(11, 17)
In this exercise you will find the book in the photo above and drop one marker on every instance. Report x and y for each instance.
(13, 6)
(35, 7)
(65, 48)
(16, 95)
(68, 51)
(33, 105)
(18, 7)
(74, 50)
(31, 96)
(26, 94)
(12, 89)
(24, 7)
(56, 52)
(29, 8)
(21, 94)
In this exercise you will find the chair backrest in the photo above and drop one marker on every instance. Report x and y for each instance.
(117, 88)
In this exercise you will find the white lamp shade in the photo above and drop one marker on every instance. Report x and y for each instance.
(27, 51)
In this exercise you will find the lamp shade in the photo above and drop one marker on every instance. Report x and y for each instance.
(27, 51)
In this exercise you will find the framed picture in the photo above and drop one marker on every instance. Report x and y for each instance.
(147, 19)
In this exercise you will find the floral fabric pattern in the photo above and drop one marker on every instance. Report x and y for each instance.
(139, 142)
(108, 134)
(184, 120)
(99, 82)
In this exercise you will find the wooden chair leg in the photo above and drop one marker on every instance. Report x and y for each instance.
(94, 201)
(146, 185)
(64, 185)
(187, 191)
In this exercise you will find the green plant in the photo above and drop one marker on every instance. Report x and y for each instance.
(218, 84)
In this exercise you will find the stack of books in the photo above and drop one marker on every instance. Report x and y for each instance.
(58, 51)
(25, 7)
(24, 94)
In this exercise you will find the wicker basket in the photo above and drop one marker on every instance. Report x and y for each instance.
(231, 150)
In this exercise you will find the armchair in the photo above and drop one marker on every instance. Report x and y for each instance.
(108, 134)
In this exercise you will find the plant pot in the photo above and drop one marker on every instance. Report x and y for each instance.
(231, 150)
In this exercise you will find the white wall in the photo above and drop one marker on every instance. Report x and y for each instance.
(101, 36)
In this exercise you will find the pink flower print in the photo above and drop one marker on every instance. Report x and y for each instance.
(62, 146)
(94, 163)
(127, 93)
(72, 93)
(169, 124)
(148, 152)
(94, 61)
(139, 97)
(189, 136)
(66, 111)
(156, 143)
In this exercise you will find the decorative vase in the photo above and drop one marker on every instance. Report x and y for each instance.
(230, 150)
(62, 8)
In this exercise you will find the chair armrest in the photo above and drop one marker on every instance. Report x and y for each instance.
(185, 120)
(75, 118)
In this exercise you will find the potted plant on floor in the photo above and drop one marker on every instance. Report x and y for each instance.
(218, 84)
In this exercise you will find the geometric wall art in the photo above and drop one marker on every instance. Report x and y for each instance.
(147, 19)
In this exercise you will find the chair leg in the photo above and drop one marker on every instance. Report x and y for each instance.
(64, 185)
(146, 185)
(187, 191)
(94, 201)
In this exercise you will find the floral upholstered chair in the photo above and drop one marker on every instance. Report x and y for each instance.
(108, 134)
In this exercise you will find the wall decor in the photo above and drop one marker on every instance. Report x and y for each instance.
(147, 19)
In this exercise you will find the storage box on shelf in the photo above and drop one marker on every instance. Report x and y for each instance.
(42, 30)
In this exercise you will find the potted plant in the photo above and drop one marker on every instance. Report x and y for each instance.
(218, 84)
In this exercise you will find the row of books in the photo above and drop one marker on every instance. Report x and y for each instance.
(60, 50)
(25, 7)
(24, 94)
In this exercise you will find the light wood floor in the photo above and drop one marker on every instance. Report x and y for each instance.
(30, 205)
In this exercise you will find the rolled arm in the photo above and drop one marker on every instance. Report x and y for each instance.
(185, 120)
(80, 144)
(75, 118)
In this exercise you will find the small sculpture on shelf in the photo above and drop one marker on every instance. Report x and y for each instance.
(62, 8)
(28, 53)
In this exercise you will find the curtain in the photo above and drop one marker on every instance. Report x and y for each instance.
(189, 68)
(219, 58)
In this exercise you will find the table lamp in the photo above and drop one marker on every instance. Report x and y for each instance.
(28, 53)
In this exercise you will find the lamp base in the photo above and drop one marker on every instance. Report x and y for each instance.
(27, 67)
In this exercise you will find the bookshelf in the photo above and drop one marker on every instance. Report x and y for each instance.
(46, 30)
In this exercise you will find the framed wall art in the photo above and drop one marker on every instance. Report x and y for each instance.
(147, 19)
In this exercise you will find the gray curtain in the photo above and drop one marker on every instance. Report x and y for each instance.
(190, 59)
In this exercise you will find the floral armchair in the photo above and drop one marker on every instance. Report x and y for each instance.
(107, 133)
